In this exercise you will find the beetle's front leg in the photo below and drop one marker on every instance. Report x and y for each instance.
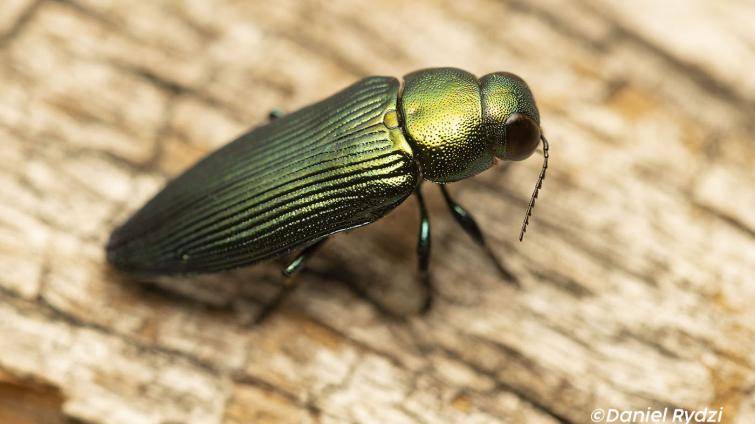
(423, 251)
(290, 282)
(465, 220)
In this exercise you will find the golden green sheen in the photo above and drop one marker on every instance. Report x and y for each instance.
(442, 114)
(337, 164)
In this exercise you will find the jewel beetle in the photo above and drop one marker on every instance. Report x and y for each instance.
(332, 166)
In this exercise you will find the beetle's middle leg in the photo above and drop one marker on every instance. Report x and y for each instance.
(423, 251)
(465, 220)
(290, 282)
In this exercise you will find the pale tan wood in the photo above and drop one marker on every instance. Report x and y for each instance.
(636, 271)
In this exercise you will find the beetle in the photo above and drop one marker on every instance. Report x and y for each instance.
(335, 165)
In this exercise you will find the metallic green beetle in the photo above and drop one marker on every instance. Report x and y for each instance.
(335, 165)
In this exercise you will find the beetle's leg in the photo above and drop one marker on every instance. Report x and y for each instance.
(469, 225)
(290, 283)
(423, 250)
(275, 114)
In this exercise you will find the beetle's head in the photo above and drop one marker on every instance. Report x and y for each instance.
(513, 124)
(510, 116)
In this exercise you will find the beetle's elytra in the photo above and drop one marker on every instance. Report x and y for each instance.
(337, 164)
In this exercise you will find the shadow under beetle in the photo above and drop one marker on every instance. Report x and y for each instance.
(332, 166)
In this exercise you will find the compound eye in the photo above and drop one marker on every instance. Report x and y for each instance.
(522, 137)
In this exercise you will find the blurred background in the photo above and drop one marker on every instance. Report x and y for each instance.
(636, 272)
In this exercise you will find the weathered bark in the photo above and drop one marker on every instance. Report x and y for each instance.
(636, 272)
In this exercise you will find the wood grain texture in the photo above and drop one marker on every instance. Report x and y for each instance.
(636, 270)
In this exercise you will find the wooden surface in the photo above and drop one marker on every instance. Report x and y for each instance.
(637, 271)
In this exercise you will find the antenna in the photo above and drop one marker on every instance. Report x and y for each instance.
(537, 188)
